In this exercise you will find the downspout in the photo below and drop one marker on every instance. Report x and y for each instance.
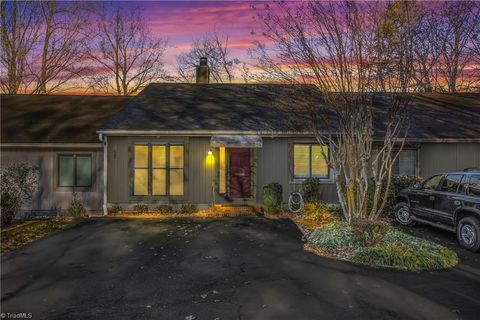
(105, 169)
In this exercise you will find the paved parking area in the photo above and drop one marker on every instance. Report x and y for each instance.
(228, 268)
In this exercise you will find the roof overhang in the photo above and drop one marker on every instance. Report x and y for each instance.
(236, 141)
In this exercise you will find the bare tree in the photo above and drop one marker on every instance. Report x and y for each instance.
(459, 22)
(20, 30)
(61, 50)
(348, 52)
(125, 54)
(215, 48)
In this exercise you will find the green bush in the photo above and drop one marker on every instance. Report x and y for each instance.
(317, 212)
(334, 236)
(369, 233)
(164, 209)
(140, 208)
(188, 208)
(18, 183)
(406, 252)
(272, 197)
(76, 208)
(311, 189)
(397, 183)
(115, 209)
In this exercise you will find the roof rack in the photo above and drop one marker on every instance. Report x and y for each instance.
(471, 169)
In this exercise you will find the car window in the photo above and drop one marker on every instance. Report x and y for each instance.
(451, 182)
(432, 183)
(473, 186)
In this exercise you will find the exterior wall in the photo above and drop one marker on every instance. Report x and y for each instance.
(199, 174)
(443, 157)
(48, 195)
(274, 164)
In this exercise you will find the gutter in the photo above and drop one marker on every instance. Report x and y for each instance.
(263, 134)
(103, 138)
(52, 145)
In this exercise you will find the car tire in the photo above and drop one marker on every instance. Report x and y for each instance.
(403, 215)
(468, 233)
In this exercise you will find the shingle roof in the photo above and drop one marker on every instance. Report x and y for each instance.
(209, 107)
(55, 118)
(257, 108)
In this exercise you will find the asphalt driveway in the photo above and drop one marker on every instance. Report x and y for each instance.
(229, 268)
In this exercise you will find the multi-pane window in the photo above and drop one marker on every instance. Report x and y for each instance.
(74, 170)
(308, 161)
(406, 163)
(158, 170)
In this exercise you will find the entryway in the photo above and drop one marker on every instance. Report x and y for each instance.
(239, 173)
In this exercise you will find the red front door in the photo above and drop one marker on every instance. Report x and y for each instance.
(239, 167)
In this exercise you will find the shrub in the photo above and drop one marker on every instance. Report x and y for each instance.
(164, 209)
(272, 197)
(188, 208)
(140, 208)
(311, 189)
(317, 212)
(76, 208)
(406, 252)
(18, 183)
(334, 236)
(397, 183)
(115, 209)
(369, 233)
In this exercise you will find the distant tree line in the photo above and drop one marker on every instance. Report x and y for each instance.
(50, 47)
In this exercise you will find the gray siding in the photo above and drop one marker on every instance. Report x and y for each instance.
(441, 157)
(48, 196)
(198, 175)
(274, 162)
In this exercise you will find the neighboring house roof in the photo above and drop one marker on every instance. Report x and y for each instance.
(56, 118)
(259, 108)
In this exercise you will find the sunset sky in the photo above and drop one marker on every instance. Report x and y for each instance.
(182, 22)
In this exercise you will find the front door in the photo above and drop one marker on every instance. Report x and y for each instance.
(239, 168)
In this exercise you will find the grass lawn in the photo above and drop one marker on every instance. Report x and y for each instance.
(16, 237)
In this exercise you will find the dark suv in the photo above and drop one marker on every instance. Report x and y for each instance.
(449, 201)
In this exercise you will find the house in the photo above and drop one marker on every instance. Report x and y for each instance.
(203, 143)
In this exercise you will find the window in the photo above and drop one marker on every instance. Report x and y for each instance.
(222, 177)
(451, 183)
(74, 170)
(308, 161)
(158, 170)
(473, 186)
(406, 163)
(432, 182)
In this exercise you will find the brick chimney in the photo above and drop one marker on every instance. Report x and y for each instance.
(203, 71)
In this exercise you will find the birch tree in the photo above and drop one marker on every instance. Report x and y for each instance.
(125, 54)
(347, 52)
(215, 48)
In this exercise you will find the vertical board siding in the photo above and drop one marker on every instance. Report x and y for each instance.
(444, 157)
(274, 165)
(48, 196)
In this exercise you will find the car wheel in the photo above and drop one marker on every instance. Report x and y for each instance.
(403, 215)
(468, 233)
